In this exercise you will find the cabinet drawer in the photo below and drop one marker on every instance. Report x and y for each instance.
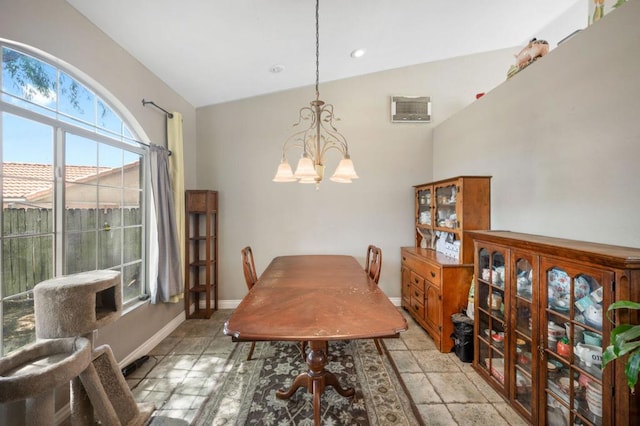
(417, 308)
(417, 282)
(417, 292)
(425, 269)
(432, 273)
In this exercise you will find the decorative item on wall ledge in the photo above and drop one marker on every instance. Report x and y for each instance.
(316, 139)
(529, 54)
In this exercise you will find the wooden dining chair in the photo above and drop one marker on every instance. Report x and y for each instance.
(373, 266)
(251, 277)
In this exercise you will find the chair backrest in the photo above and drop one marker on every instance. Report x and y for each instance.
(248, 267)
(374, 262)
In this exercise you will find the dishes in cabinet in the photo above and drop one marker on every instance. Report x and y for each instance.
(498, 276)
(524, 284)
(558, 281)
(593, 316)
(577, 332)
(565, 384)
(486, 274)
(581, 287)
(591, 338)
(495, 301)
(594, 398)
(554, 330)
(588, 354)
(558, 290)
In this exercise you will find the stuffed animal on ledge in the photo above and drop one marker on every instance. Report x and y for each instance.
(529, 54)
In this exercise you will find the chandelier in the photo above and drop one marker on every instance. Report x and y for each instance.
(318, 135)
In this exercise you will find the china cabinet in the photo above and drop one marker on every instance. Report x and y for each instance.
(436, 273)
(201, 253)
(540, 326)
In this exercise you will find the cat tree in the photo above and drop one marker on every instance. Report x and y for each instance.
(68, 311)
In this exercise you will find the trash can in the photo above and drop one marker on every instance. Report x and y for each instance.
(462, 336)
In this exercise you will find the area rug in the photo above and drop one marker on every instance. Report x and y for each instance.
(247, 396)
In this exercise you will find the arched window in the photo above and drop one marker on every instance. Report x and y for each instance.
(72, 184)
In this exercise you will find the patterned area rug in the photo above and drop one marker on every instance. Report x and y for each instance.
(247, 395)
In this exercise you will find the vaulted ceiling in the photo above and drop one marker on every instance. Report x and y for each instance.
(214, 51)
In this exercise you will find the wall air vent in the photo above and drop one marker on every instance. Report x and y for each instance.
(410, 109)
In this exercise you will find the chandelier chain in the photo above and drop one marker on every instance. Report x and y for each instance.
(317, 49)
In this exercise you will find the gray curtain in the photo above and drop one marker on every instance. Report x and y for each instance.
(169, 283)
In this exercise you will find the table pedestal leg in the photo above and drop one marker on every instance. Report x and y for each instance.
(316, 379)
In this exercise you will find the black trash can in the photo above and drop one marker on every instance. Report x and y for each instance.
(462, 337)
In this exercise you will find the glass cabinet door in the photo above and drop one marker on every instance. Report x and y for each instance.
(524, 354)
(424, 206)
(446, 202)
(425, 237)
(573, 332)
(491, 321)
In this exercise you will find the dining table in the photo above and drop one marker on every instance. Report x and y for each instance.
(315, 299)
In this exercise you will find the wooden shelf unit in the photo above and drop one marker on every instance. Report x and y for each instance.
(201, 253)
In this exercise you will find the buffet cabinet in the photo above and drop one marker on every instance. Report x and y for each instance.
(437, 272)
(434, 287)
(541, 326)
(201, 253)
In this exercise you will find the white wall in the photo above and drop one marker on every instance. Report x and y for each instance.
(239, 148)
(561, 138)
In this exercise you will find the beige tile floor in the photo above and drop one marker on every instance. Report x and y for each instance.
(186, 366)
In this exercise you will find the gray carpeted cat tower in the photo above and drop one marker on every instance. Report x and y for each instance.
(68, 310)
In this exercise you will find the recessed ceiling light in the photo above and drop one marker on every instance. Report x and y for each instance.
(358, 53)
(276, 69)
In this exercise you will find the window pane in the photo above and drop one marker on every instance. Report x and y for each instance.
(26, 141)
(80, 252)
(131, 216)
(110, 217)
(80, 151)
(109, 197)
(107, 119)
(110, 156)
(81, 207)
(132, 280)
(76, 100)
(132, 247)
(132, 170)
(28, 78)
(26, 261)
(109, 248)
(26, 221)
(18, 322)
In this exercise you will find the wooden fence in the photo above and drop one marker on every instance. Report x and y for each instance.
(94, 239)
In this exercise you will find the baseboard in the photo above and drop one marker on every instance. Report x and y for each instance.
(152, 342)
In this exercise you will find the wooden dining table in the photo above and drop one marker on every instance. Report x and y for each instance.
(315, 299)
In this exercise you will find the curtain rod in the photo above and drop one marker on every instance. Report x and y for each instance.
(148, 145)
(144, 103)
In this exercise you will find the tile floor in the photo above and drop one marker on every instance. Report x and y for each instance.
(185, 366)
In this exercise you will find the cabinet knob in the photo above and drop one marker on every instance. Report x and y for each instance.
(433, 274)
(415, 280)
(404, 258)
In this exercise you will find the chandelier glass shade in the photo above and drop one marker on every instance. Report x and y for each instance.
(315, 133)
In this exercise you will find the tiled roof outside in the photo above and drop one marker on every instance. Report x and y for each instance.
(21, 179)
